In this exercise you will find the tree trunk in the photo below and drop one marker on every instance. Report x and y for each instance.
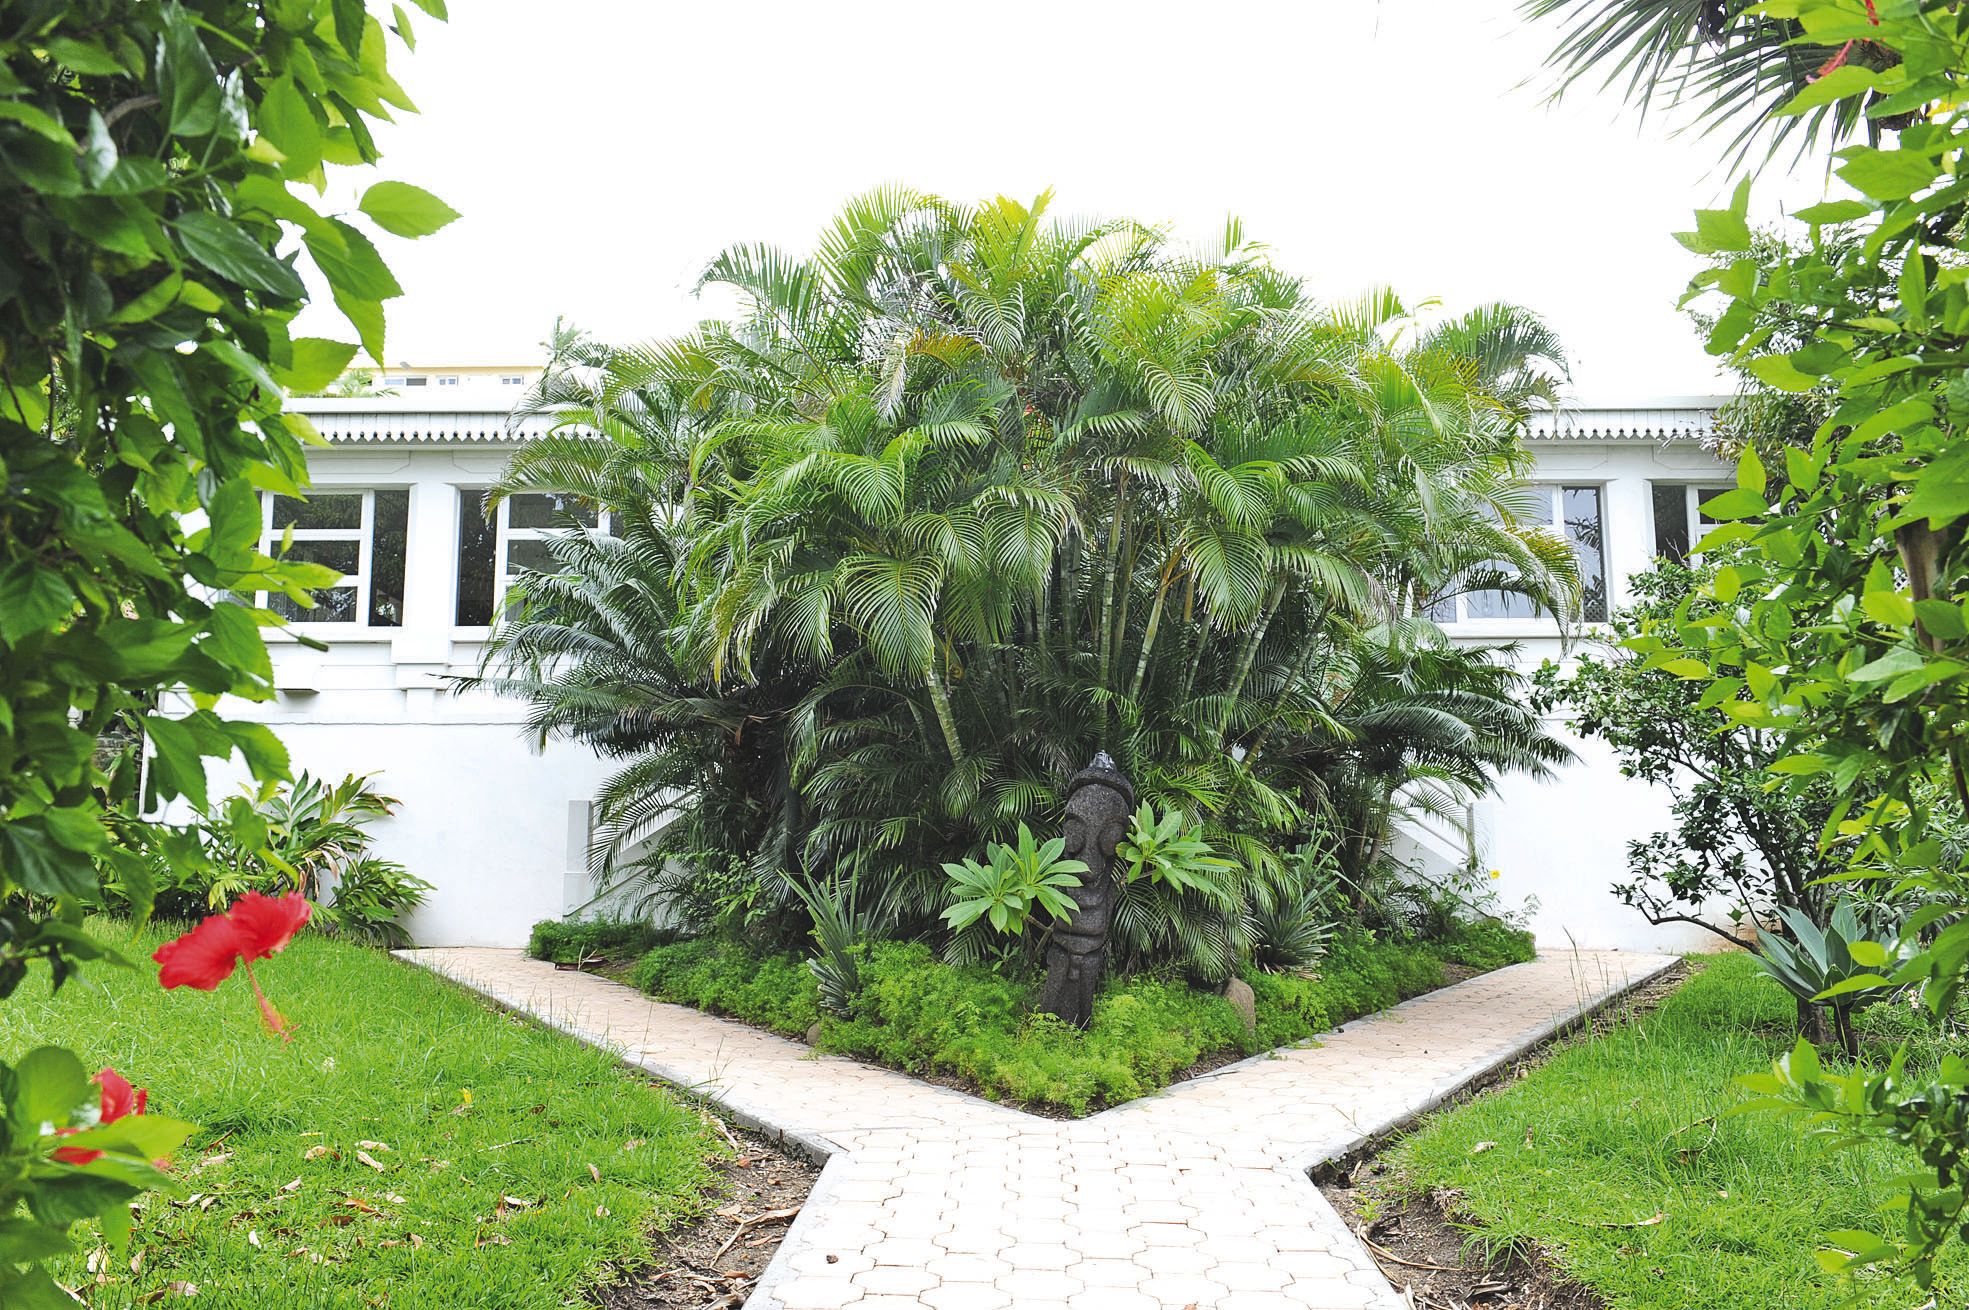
(945, 718)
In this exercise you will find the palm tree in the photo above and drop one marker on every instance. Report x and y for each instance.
(1735, 64)
(969, 494)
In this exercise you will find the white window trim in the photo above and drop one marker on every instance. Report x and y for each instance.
(363, 536)
(503, 535)
(1535, 625)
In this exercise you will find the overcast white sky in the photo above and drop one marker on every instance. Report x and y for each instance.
(603, 152)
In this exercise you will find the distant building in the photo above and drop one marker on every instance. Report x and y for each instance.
(502, 830)
(436, 382)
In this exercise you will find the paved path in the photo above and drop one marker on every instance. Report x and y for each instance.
(1194, 1198)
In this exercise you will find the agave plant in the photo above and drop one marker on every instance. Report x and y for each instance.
(1841, 967)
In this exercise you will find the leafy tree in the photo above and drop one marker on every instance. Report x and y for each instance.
(1841, 622)
(146, 156)
(967, 495)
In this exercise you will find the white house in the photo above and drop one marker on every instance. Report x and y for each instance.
(502, 829)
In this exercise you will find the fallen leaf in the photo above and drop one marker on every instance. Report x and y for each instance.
(601, 1212)
(178, 1287)
(1481, 1147)
(516, 1202)
(211, 1160)
(365, 1157)
(294, 1186)
(316, 1152)
(394, 1199)
(252, 1238)
(374, 1146)
(595, 1173)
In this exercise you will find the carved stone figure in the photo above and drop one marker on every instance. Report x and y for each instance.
(1099, 800)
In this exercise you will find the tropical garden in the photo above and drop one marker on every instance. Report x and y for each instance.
(862, 577)
(965, 497)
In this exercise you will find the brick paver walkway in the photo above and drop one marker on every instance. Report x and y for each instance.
(1196, 1197)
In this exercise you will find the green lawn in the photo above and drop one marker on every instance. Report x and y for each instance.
(1616, 1129)
(515, 1163)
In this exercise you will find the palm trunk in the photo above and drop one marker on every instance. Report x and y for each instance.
(945, 718)
(1154, 625)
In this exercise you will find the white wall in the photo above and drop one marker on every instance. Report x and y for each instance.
(501, 830)
(1563, 841)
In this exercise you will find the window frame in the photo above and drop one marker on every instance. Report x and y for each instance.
(1543, 622)
(362, 580)
(504, 534)
(1693, 494)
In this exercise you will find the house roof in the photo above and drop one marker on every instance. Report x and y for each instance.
(393, 420)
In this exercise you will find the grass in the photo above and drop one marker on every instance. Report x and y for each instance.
(488, 1125)
(976, 1026)
(1620, 1127)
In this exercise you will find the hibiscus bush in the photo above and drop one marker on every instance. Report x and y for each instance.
(148, 276)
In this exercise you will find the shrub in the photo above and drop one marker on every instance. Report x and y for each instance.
(1486, 944)
(573, 941)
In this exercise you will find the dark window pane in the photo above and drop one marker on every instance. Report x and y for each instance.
(1703, 496)
(332, 605)
(530, 554)
(344, 557)
(416, 382)
(1441, 611)
(336, 511)
(386, 549)
(1581, 506)
(1671, 503)
(476, 544)
(547, 509)
(1499, 605)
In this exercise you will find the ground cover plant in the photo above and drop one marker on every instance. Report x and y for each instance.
(973, 1023)
(1621, 1159)
(410, 1144)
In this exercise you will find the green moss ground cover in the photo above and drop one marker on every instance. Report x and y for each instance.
(469, 1105)
(1618, 1128)
(975, 1025)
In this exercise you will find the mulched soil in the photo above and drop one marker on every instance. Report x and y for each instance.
(1423, 1242)
(714, 1263)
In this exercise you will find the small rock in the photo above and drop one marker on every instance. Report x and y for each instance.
(1238, 992)
(813, 1033)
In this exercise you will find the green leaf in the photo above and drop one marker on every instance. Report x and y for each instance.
(1888, 607)
(1841, 83)
(32, 599)
(1941, 490)
(406, 210)
(1741, 503)
(99, 153)
(1941, 619)
(83, 56)
(234, 514)
(261, 749)
(1868, 955)
(1833, 211)
(50, 1084)
(1894, 663)
(226, 249)
(42, 866)
(38, 121)
(180, 771)
(1778, 371)
(349, 261)
(286, 119)
(76, 827)
(315, 362)
(1887, 174)
(187, 81)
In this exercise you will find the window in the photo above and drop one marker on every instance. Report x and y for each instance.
(493, 551)
(1679, 520)
(416, 380)
(511, 380)
(359, 534)
(1576, 510)
(393, 380)
(448, 381)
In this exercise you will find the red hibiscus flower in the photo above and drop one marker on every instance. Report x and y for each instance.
(253, 929)
(119, 1099)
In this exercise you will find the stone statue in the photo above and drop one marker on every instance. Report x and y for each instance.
(1099, 800)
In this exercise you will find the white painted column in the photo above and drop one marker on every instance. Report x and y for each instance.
(1627, 523)
(423, 646)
